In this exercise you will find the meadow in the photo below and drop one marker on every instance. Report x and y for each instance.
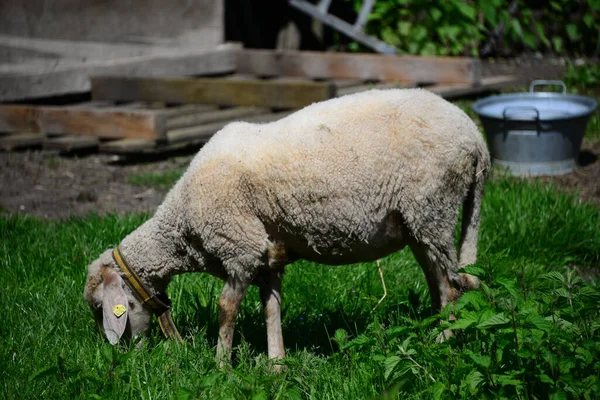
(531, 331)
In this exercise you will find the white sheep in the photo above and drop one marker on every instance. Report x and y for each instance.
(347, 180)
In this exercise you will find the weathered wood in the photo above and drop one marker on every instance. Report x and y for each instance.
(361, 88)
(214, 91)
(387, 68)
(125, 146)
(205, 132)
(208, 117)
(108, 122)
(487, 85)
(20, 141)
(188, 109)
(74, 77)
(72, 143)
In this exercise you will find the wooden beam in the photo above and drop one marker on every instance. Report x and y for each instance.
(361, 88)
(259, 93)
(110, 122)
(49, 79)
(318, 65)
(72, 143)
(228, 114)
(205, 132)
(487, 85)
(20, 141)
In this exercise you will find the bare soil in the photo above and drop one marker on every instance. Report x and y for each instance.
(45, 184)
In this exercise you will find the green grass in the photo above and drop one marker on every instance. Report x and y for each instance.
(532, 328)
(163, 180)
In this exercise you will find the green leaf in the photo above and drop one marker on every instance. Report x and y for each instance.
(573, 32)
(463, 323)
(556, 5)
(559, 395)
(505, 380)
(489, 12)
(389, 36)
(529, 40)
(293, 393)
(260, 395)
(46, 371)
(588, 19)
(516, 26)
(510, 285)
(473, 380)
(481, 360)
(557, 42)
(210, 380)
(435, 13)
(404, 27)
(541, 34)
(184, 394)
(496, 320)
(466, 9)
(437, 390)
(389, 365)
(546, 379)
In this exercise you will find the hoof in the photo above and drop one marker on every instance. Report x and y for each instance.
(468, 282)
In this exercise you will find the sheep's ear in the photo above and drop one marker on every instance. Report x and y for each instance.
(114, 307)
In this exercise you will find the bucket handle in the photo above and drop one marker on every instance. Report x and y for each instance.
(543, 82)
(520, 110)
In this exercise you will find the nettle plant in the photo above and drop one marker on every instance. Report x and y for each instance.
(463, 27)
(515, 338)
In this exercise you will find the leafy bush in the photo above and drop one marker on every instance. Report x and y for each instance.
(473, 27)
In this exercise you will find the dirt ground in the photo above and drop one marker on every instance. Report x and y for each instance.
(48, 185)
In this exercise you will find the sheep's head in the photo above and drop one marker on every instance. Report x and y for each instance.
(117, 311)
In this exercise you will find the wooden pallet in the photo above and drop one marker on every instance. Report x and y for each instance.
(144, 125)
(129, 114)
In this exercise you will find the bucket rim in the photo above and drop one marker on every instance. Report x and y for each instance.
(590, 103)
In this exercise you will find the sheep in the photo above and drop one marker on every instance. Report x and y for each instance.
(347, 180)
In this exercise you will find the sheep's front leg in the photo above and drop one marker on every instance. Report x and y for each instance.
(229, 305)
(270, 294)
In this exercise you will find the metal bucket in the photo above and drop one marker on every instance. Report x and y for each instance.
(535, 133)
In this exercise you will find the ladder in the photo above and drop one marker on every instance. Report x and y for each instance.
(320, 12)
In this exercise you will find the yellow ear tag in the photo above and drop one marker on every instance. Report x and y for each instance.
(119, 310)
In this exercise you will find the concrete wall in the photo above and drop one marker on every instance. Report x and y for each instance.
(197, 22)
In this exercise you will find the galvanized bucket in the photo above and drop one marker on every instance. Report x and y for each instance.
(535, 133)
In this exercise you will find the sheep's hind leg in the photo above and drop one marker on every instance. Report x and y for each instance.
(439, 263)
(229, 305)
(270, 294)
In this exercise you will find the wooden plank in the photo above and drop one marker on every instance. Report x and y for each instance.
(208, 117)
(487, 85)
(72, 143)
(188, 109)
(361, 88)
(111, 122)
(50, 79)
(21, 141)
(205, 132)
(318, 65)
(125, 146)
(213, 91)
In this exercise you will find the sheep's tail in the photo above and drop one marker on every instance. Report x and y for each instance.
(472, 210)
